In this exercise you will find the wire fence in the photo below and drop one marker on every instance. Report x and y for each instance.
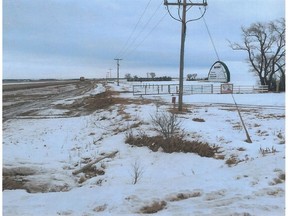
(156, 89)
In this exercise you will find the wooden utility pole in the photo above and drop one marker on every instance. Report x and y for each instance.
(117, 59)
(182, 49)
(184, 22)
(110, 69)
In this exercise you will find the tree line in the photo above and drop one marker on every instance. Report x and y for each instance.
(152, 77)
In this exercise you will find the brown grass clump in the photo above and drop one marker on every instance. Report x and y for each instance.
(100, 208)
(173, 144)
(232, 161)
(198, 120)
(153, 208)
(183, 196)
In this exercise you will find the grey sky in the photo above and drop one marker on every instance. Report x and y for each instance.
(72, 38)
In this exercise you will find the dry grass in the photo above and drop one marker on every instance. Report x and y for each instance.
(232, 161)
(153, 208)
(267, 151)
(103, 100)
(198, 120)
(90, 173)
(183, 196)
(100, 208)
(173, 144)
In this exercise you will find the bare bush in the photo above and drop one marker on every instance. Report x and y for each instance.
(267, 151)
(137, 172)
(167, 124)
(171, 137)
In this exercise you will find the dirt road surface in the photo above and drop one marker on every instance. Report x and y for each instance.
(26, 100)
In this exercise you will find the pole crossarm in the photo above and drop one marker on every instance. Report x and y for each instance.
(187, 6)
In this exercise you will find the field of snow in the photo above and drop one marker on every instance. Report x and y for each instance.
(50, 149)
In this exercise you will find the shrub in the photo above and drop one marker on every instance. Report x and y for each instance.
(167, 124)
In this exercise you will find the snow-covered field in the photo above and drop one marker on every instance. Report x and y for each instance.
(50, 149)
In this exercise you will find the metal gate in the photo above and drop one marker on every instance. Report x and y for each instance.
(172, 89)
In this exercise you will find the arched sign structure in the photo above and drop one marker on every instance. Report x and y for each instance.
(219, 72)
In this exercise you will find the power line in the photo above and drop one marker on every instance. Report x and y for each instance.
(146, 36)
(211, 39)
(134, 29)
(142, 30)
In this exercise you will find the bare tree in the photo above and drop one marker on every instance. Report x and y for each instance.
(128, 76)
(153, 75)
(265, 45)
(191, 76)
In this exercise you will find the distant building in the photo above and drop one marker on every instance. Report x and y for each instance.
(82, 79)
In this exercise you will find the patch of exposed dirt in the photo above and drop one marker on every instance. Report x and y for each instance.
(93, 171)
(89, 104)
(31, 180)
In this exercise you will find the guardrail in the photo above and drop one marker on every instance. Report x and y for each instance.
(155, 89)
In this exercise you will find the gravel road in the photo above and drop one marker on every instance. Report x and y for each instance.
(20, 100)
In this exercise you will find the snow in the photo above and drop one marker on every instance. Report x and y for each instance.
(55, 147)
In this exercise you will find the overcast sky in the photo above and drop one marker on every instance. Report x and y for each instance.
(72, 38)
